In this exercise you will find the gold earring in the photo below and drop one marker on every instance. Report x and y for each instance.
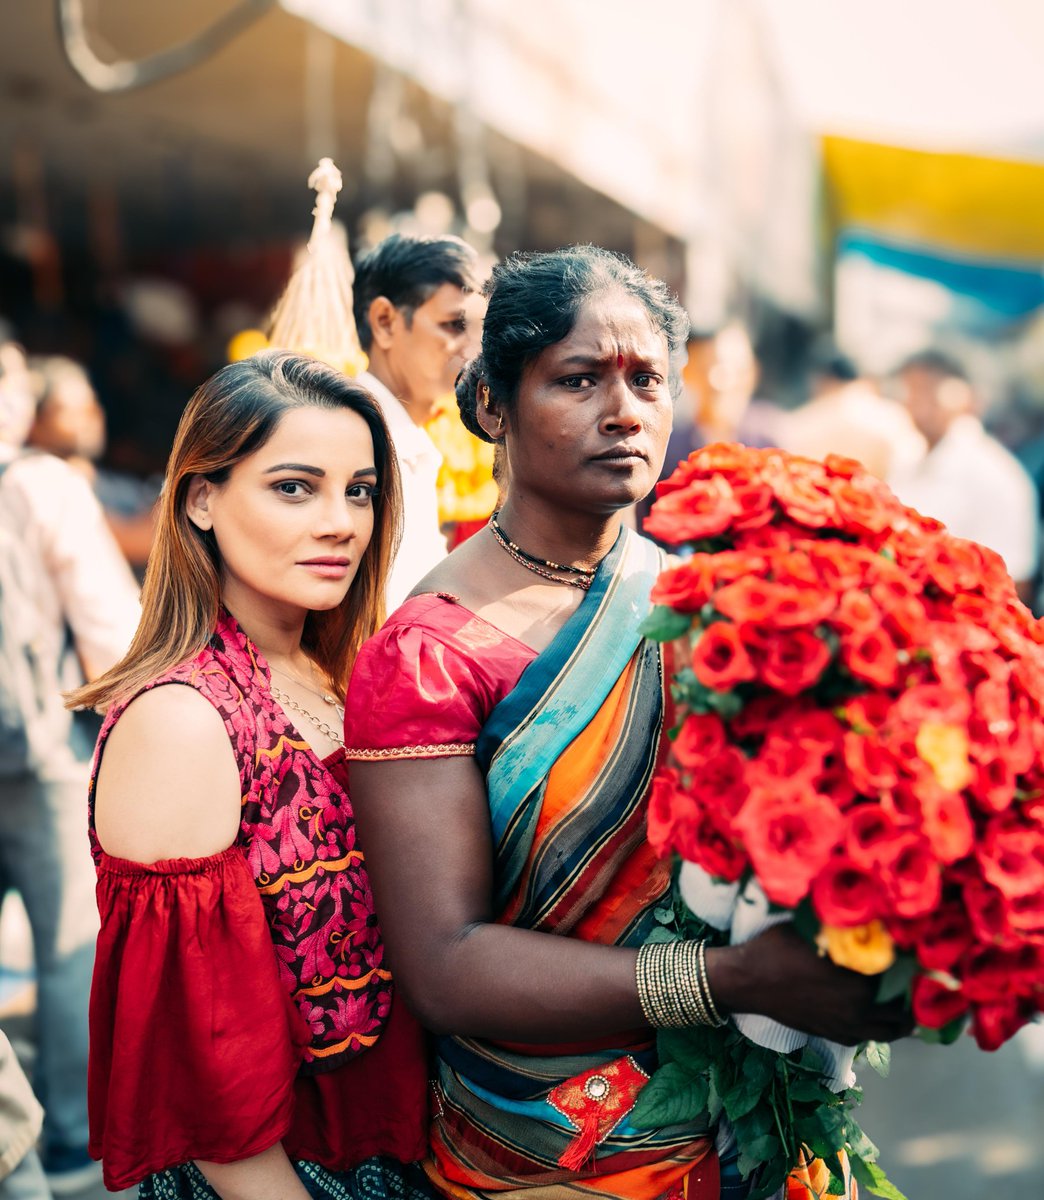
(485, 396)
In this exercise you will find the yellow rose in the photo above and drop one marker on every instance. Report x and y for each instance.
(867, 949)
(945, 749)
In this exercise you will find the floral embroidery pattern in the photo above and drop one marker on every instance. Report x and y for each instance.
(297, 832)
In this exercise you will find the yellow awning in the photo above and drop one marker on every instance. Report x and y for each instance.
(987, 206)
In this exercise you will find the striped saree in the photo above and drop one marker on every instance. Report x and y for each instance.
(568, 756)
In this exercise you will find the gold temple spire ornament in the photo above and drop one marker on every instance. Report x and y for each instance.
(314, 314)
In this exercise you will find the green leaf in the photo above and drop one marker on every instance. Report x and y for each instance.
(879, 1056)
(945, 1036)
(805, 920)
(663, 624)
(713, 1100)
(809, 1089)
(870, 1177)
(660, 933)
(671, 1097)
(741, 1098)
(684, 1047)
(664, 915)
(897, 979)
(756, 1152)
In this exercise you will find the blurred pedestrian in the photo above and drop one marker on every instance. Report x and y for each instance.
(846, 414)
(246, 1039)
(21, 1176)
(967, 479)
(70, 423)
(717, 402)
(410, 297)
(68, 609)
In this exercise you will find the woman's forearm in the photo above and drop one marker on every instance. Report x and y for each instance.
(266, 1176)
(499, 982)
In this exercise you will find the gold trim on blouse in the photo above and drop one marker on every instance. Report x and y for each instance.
(449, 750)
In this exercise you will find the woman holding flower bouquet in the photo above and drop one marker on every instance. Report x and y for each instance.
(504, 728)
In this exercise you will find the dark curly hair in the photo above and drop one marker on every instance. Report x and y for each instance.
(534, 301)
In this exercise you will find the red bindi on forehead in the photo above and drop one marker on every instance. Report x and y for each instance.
(619, 360)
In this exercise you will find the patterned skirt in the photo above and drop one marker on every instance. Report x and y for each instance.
(374, 1179)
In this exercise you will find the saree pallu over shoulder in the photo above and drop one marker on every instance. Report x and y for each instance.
(568, 756)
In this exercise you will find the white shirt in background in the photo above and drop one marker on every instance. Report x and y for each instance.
(979, 491)
(423, 545)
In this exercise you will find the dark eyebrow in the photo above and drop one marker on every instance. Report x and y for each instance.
(594, 360)
(586, 360)
(318, 472)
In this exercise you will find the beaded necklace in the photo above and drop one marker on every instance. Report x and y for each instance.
(578, 577)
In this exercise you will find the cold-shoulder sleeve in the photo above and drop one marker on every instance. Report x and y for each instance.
(425, 684)
(195, 1044)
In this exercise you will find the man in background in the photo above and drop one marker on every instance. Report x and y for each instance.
(68, 610)
(409, 302)
(70, 424)
(967, 479)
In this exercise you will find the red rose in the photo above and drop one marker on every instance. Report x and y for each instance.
(989, 973)
(1026, 914)
(935, 1004)
(994, 1024)
(988, 911)
(688, 587)
(863, 504)
(782, 758)
(701, 736)
(805, 499)
(747, 599)
(701, 510)
(709, 841)
(664, 798)
(838, 566)
(946, 823)
(944, 937)
(857, 613)
(756, 503)
(719, 658)
(791, 662)
(759, 715)
(870, 834)
(954, 565)
(870, 655)
(993, 785)
(870, 763)
(911, 877)
(845, 893)
(1012, 858)
(789, 837)
(721, 782)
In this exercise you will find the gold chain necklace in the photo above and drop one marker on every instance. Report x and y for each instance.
(578, 577)
(288, 701)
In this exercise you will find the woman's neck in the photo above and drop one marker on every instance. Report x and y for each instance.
(276, 635)
(575, 539)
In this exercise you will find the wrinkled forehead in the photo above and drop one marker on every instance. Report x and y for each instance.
(611, 324)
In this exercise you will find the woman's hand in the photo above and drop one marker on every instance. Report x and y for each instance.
(779, 975)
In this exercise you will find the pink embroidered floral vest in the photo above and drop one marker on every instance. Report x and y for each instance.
(297, 834)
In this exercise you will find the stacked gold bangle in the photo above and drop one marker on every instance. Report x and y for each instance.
(673, 989)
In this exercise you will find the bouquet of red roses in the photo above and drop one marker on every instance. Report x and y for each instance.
(859, 728)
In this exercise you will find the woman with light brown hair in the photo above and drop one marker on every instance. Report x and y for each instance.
(245, 1035)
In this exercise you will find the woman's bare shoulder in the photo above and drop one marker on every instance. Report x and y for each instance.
(168, 784)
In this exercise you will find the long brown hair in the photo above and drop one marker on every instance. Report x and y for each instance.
(230, 417)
